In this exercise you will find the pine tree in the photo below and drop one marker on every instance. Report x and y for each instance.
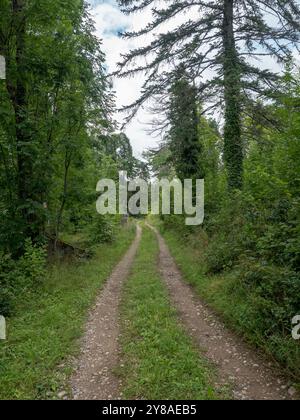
(182, 136)
(217, 44)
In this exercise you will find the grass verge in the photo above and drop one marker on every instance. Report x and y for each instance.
(238, 308)
(159, 359)
(45, 331)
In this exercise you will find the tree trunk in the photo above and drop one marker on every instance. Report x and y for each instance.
(68, 158)
(233, 149)
(23, 130)
(20, 98)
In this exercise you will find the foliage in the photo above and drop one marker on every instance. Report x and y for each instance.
(218, 44)
(182, 137)
(103, 229)
(44, 332)
(55, 104)
(118, 147)
(247, 259)
(258, 300)
(57, 139)
(17, 277)
(57, 136)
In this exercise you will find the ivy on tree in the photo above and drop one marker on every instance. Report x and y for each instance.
(217, 44)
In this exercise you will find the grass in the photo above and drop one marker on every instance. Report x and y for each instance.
(80, 239)
(159, 359)
(238, 308)
(45, 331)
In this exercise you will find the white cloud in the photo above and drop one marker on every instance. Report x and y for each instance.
(109, 21)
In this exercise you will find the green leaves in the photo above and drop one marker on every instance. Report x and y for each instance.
(183, 135)
(55, 98)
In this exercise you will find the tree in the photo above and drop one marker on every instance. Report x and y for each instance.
(217, 44)
(118, 147)
(55, 97)
(183, 136)
(160, 161)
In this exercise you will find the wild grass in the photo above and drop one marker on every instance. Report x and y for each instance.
(44, 332)
(240, 307)
(159, 359)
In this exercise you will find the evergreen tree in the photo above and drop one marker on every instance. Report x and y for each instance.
(217, 44)
(183, 137)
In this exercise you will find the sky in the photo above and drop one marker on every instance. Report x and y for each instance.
(109, 21)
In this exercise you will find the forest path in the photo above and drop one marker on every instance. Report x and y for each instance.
(94, 378)
(250, 376)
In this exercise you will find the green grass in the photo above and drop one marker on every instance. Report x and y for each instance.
(80, 239)
(238, 308)
(45, 331)
(159, 359)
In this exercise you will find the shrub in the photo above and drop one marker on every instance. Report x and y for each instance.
(103, 229)
(16, 276)
(176, 222)
(6, 278)
(221, 254)
(280, 242)
(276, 290)
(32, 265)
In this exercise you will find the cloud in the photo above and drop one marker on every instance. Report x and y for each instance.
(109, 21)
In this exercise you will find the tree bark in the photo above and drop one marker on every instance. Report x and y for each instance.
(68, 159)
(233, 148)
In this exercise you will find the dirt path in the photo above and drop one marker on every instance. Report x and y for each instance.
(251, 377)
(94, 378)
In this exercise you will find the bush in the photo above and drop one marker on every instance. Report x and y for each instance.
(230, 234)
(16, 276)
(245, 226)
(280, 242)
(103, 229)
(277, 291)
(32, 265)
(6, 277)
(176, 222)
(220, 254)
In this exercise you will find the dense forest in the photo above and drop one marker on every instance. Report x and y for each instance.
(222, 116)
(58, 137)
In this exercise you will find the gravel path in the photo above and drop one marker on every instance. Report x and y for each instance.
(94, 378)
(251, 377)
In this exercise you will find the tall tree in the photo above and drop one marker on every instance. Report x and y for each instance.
(183, 136)
(54, 99)
(217, 43)
(233, 150)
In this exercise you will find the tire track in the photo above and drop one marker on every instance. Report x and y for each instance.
(94, 378)
(249, 374)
